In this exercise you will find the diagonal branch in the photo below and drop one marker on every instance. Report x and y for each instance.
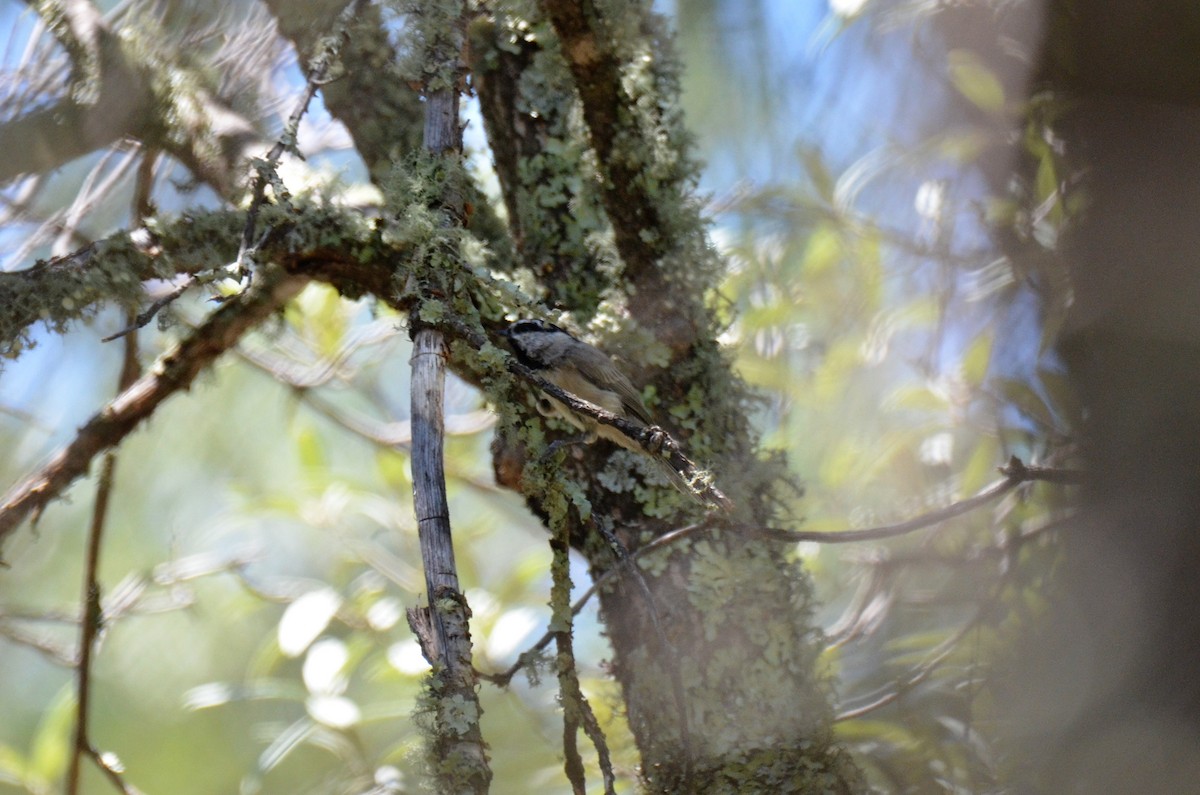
(108, 97)
(381, 111)
(65, 289)
(597, 69)
(528, 107)
(1015, 473)
(653, 440)
(174, 372)
(319, 68)
(645, 194)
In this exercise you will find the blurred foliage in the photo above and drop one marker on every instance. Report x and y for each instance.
(904, 350)
(261, 550)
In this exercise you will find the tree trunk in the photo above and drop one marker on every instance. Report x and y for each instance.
(713, 643)
(1107, 698)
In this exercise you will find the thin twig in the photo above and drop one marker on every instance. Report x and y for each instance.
(143, 193)
(1008, 545)
(143, 208)
(145, 317)
(942, 652)
(111, 773)
(90, 626)
(577, 711)
(97, 187)
(44, 644)
(1018, 473)
(504, 677)
(264, 169)
(1015, 473)
(987, 606)
(322, 370)
(919, 675)
(92, 622)
(573, 702)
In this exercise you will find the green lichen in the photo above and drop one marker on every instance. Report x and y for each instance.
(459, 715)
(113, 271)
(545, 166)
(431, 42)
(61, 294)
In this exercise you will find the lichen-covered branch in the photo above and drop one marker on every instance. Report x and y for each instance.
(542, 160)
(458, 752)
(593, 60)
(621, 63)
(382, 112)
(756, 725)
(334, 245)
(577, 712)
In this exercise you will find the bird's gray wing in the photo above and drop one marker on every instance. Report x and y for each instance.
(598, 368)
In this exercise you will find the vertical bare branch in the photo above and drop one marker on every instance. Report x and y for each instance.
(92, 614)
(458, 747)
(446, 640)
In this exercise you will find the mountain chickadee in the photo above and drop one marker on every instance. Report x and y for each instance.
(586, 372)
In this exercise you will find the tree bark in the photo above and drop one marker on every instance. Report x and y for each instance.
(442, 627)
(1105, 697)
(458, 751)
(713, 641)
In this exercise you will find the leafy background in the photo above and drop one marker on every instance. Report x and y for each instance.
(261, 548)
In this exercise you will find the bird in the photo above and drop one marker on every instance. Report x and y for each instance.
(588, 373)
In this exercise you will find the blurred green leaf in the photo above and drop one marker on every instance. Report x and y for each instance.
(981, 466)
(831, 378)
(52, 740)
(976, 359)
(963, 145)
(915, 398)
(394, 467)
(310, 447)
(13, 767)
(824, 250)
(1020, 395)
(882, 731)
(841, 464)
(975, 81)
(319, 314)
